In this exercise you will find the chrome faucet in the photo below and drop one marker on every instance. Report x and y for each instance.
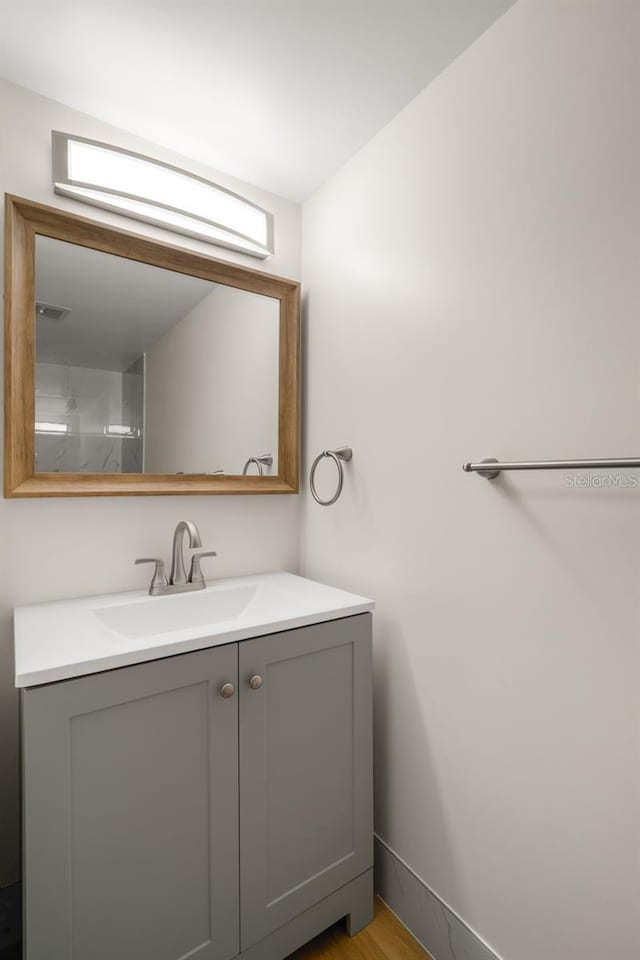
(178, 581)
(178, 573)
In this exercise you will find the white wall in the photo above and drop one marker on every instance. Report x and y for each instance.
(212, 386)
(472, 280)
(61, 548)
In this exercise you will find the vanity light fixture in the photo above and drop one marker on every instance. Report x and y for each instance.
(158, 193)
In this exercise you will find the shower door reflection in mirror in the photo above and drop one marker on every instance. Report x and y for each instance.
(141, 369)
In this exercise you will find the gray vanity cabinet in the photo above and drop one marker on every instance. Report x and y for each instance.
(306, 817)
(163, 819)
(130, 813)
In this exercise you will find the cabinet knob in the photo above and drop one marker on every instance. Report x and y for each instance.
(255, 682)
(227, 690)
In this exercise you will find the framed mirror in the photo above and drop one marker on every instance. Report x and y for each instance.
(134, 367)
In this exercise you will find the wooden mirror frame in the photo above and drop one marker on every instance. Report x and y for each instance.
(24, 220)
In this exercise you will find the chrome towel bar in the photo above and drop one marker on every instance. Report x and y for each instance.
(492, 468)
(338, 456)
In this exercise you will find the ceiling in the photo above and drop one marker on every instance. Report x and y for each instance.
(277, 92)
(118, 307)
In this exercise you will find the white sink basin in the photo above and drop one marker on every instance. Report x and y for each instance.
(69, 638)
(182, 611)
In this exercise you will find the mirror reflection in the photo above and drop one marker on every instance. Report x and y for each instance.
(145, 370)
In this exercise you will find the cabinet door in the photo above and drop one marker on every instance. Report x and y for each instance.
(131, 813)
(305, 769)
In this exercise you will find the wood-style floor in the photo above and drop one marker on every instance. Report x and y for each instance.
(384, 939)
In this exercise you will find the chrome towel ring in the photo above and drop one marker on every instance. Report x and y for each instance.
(338, 456)
(265, 460)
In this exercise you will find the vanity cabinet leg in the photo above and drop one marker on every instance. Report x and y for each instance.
(361, 913)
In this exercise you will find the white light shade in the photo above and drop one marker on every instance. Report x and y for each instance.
(152, 191)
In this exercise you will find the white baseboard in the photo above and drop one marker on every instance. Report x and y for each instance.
(432, 922)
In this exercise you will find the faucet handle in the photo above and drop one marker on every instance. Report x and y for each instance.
(195, 574)
(159, 582)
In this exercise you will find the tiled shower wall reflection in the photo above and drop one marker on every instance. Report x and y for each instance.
(133, 414)
(88, 420)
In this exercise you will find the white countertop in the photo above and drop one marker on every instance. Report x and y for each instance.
(70, 638)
